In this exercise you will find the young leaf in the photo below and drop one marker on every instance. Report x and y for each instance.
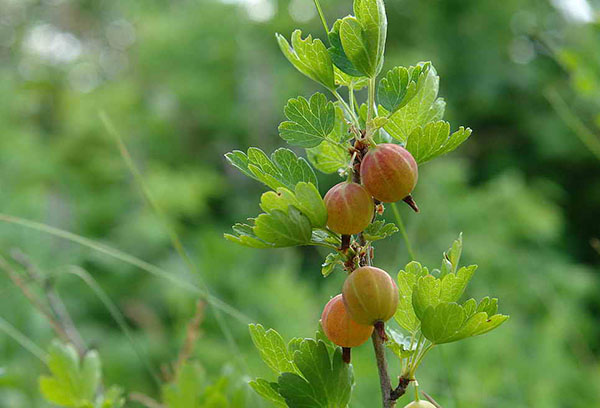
(113, 398)
(309, 122)
(283, 230)
(332, 261)
(433, 140)
(454, 284)
(423, 108)
(272, 348)
(306, 198)
(268, 391)
(244, 235)
(343, 79)
(405, 315)
(310, 57)
(441, 322)
(282, 169)
(72, 383)
(400, 345)
(426, 293)
(453, 254)
(338, 55)
(379, 230)
(400, 85)
(363, 37)
(326, 382)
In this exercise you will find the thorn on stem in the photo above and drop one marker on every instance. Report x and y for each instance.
(346, 354)
(411, 202)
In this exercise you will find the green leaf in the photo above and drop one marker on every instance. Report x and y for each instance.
(71, 384)
(309, 122)
(400, 85)
(325, 382)
(449, 322)
(338, 55)
(282, 230)
(272, 349)
(399, 344)
(426, 293)
(333, 261)
(423, 108)
(441, 322)
(452, 256)
(268, 391)
(379, 230)
(322, 236)
(343, 79)
(328, 157)
(363, 37)
(244, 235)
(113, 397)
(306, 198)
(310, 57)
(282, 169)
(405, 315)
(433, 140)
(454, 284)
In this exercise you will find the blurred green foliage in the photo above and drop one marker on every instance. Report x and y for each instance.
(187, 81)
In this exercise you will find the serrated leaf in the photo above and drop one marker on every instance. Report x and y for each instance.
(379, 230)
(343, 79)
(310, 57)
(332, 261)
(433, 140)
(328, 157)
(441, 322)
(454, 284)
(372, 17)
(470, 307)
(452, 256)
(245, 236)
(283, 229)
(405, 315)
(426, 293)
(419, 111)
(325, 382)
(268, 391)
(309, 121)
(306, 198)
(488, 306)
(355, 46)
(321, 236)
(72, 383)
(400, 85)
(113, 397)
(282, 169)
(338, 55)
(272, 349)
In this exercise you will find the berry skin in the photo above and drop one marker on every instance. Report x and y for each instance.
(389, 172)
(420, 404)
(350, 208)
(370, 295)
(340, 328)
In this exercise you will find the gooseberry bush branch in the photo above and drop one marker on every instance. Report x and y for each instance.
(376, 148)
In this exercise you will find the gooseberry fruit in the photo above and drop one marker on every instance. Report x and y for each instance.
(389, 172)
(370, 295)
(350, 208)
(340, 328)
(420, 404)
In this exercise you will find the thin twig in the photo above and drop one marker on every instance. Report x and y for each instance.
(192, 335)
(430, 399)
(384, 377)
(55, 303)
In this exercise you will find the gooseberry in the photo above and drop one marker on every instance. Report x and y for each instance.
(350, 208)
(340, 328)
(420, 404)
(389, 172)
(370, 295)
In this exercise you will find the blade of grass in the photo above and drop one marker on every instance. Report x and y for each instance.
(175, 240)
(23, 340)
(116, 315)
(400, 225)
(129, 259)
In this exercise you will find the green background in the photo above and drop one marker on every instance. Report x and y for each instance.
(187, 81)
